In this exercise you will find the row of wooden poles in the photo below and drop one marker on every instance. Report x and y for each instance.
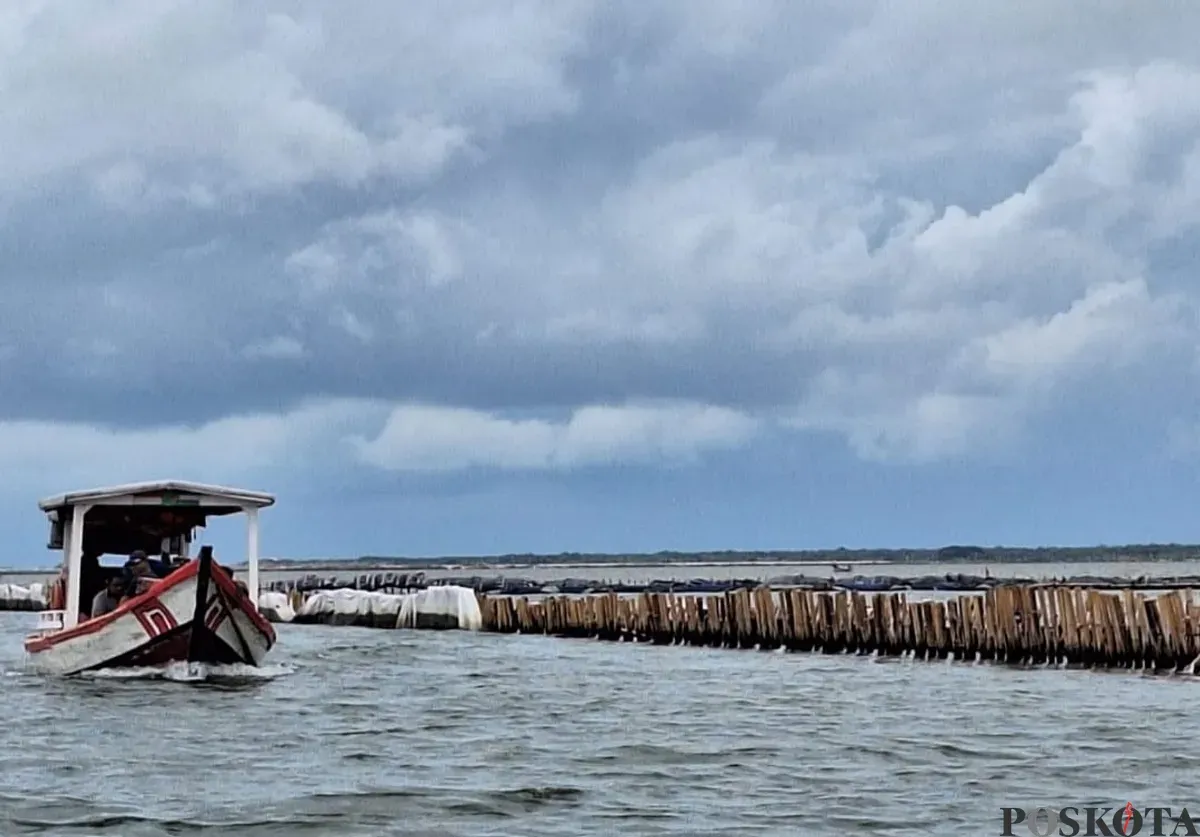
(1015, 624)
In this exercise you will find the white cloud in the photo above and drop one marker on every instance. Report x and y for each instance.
(930, 334)
(338, 433)
(916, 331)
(54, 456)
(1108, 328)
(448, 439)
(393, 253)
(932, 426)
(185, 99)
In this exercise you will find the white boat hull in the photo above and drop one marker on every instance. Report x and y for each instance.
(156, 628)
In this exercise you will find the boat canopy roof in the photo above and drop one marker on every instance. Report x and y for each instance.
(143, 515)
(213, 499)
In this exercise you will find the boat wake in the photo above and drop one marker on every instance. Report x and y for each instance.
(182, 672)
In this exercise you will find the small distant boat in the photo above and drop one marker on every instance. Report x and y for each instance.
(196, 613)
(842, 568)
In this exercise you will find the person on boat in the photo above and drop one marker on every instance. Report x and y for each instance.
(109, 598)
(137, 574)
(154, 568)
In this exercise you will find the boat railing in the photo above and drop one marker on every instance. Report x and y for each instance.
(50, 621)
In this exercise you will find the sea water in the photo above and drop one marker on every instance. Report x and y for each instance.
(371, 732)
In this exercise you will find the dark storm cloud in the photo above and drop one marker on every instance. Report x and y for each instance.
(854, 215)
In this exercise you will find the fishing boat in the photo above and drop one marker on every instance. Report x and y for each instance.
(196, 612)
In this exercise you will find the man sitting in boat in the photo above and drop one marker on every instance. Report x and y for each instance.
(107, 599)
(151, 567)
(138, 574)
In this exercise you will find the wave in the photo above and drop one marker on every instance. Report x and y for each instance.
(183, 672)
(378, 808)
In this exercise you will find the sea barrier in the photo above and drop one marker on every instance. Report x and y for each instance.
(1043, 623)
(1038, 624)
(397, 582)
(1012, 624)
(17, 597)
(445, 607)
(20, 597)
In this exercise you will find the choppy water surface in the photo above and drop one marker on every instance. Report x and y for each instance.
(359, 732)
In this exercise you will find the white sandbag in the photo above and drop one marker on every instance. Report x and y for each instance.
(17, 597)
(441, 607)
(275, 606)
(344, 601)
(383, 604)
(347, 606)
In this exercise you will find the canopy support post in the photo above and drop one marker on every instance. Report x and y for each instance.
(252, 552)
(74, 564)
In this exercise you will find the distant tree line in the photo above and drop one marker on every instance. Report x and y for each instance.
(841, 555)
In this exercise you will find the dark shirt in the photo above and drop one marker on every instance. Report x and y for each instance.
(160, 568)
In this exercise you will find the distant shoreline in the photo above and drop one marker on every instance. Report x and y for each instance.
(1135, 553)
(333, 566)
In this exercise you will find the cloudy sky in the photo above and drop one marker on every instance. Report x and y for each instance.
(502, 275)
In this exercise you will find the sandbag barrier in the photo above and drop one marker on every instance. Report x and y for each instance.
(395, 583)
(22, 598)
(444, 607)
(1021, 625)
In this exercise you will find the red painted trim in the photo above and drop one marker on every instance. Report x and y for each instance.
(91, 626)
(184, 573)
(234, 595)
(155, 619)
(216, 614)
